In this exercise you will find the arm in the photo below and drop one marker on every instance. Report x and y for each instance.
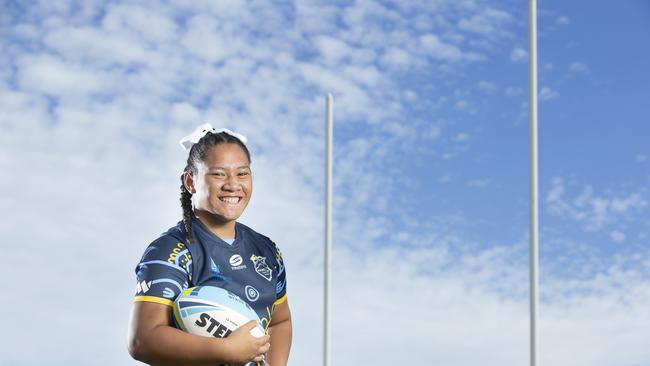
(153, 340)
(280, 331)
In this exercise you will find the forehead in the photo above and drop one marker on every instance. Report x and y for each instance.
(226, 155)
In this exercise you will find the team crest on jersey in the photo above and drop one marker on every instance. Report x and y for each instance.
(261, 267)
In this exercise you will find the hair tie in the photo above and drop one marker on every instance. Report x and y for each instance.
(188, 141)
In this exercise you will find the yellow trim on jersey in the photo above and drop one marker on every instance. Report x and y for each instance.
(157, 300)
(280, 300)
(177, 316)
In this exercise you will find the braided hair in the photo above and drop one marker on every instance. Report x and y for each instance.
(197, 155)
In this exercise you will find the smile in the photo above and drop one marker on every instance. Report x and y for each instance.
(231, 200)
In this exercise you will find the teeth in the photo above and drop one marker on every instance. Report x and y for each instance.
(230, 199)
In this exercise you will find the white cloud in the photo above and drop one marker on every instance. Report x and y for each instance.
(446, 178)
(579, 67)
(462, 104)
(513, 92)
(50, 75)
(617, 236)
(95, 117)
(438, 49)
(461, 137)
(479, 183)
(486, 86)
(473, 293)
(546, 93)
(203, 39)
(185, 112)
(563, 20)
(432, 132)
(487, 22)
(593, 211)
(397, 57)
(519, 55)
(88, 44)
(633, 201)
(334, 50)
(150, 24)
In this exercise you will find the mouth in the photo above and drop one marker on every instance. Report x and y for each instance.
(231, 200)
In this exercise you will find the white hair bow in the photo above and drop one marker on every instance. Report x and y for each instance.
(191, 139)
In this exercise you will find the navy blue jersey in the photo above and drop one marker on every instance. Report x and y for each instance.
(251, 267)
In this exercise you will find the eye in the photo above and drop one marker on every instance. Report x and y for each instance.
(242, 174)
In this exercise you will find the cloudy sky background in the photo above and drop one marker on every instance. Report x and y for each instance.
(431, 189)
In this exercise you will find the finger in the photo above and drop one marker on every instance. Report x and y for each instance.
(265, 348)
(258, 358)
(261, 342)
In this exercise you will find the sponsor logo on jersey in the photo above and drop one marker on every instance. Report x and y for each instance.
(251, 293)
(261, 267)
(236, 262)
(142, 287)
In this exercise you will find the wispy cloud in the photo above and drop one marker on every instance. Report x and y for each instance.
(593, 211)
(579, 67)
(546, 93)
(486, 86)
(563, 20)
(98, 95)
(94, 97)
(513, 92)
(519, 55)
(617, 236)
(479, 183)
(488, 22)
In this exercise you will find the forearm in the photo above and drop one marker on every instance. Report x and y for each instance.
(280, 343)
(165, 345)
(153, 340)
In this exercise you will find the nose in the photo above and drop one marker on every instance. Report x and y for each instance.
(231, 184)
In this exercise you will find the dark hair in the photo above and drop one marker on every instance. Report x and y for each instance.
(197, 154)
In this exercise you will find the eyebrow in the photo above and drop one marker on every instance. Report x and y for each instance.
(224, 168)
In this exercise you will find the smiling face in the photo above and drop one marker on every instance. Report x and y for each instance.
(222, 185)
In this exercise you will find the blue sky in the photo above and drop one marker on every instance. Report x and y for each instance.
(431, 168)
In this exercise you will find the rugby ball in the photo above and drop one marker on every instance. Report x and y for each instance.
(213, 312)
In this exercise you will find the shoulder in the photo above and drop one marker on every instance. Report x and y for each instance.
(254, 236)
(169, 242)
(266, 244)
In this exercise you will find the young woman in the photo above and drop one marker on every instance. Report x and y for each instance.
(209, 247)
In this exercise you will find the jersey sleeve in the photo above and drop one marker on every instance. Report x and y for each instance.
(281, 286)
(164, 271)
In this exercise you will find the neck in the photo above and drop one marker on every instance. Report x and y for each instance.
(222, 229)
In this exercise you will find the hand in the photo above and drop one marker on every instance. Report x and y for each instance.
(243, 347)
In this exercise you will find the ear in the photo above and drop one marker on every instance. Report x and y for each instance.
(188, 181)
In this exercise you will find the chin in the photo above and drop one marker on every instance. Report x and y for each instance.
(231, 216)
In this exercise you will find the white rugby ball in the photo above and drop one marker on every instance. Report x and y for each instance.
(213, 312)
